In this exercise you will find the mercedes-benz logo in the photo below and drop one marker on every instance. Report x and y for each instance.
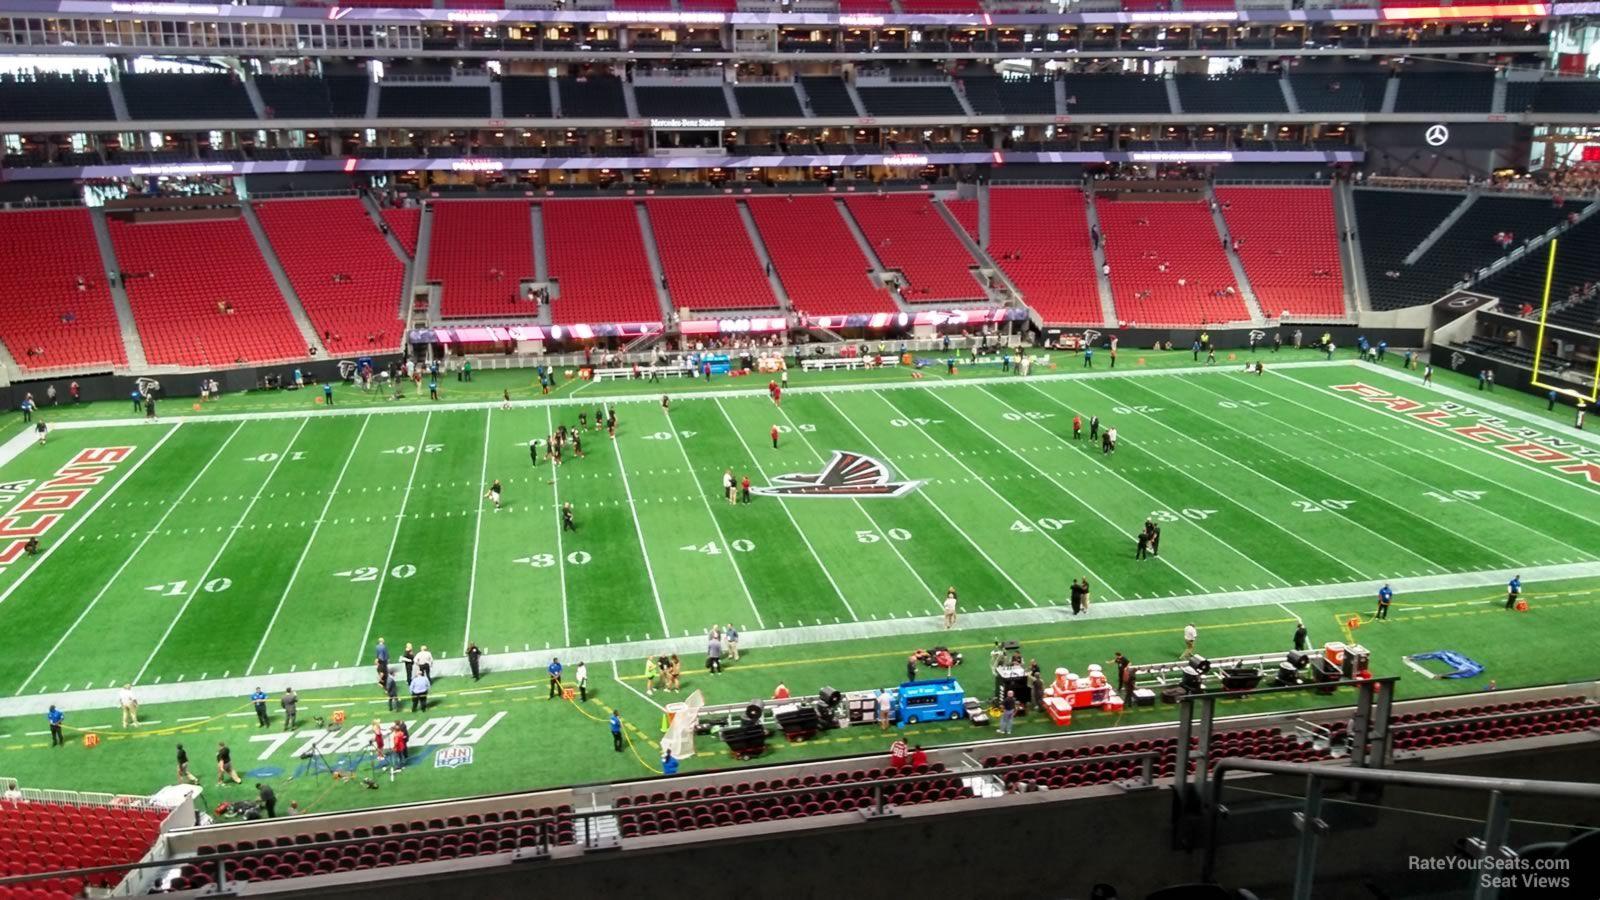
(1436, 135)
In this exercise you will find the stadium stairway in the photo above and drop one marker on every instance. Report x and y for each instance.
(1108, 307)
(419, 265)
(988, 266)
(119, 101)
(652, 254)
(1355, 271)
(765, 258)
(1440, 230)
(131, 341)
(1234, 262)
(285, 286)
(865, 245)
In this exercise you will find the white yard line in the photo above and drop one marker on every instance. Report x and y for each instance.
(1323, 551)
(561, 550)
(306, 550)
(1373, 460)
(1095, 458)
(50, 550)
(394, 539)
(633, 513)
(221, 548)
(617, 676)
(1024, 516)
(569, 400)
(1345, 516)
(477, 528)
(706, 501)
(787, 512)
(795, 429)
(131, 555)
(944, 515)
(1445, 435)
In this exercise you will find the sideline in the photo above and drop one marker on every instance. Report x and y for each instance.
(694, 645)
(401, 407)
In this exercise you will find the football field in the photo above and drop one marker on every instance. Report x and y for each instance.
(191, 550)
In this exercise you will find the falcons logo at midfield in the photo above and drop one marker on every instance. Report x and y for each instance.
(851, 475)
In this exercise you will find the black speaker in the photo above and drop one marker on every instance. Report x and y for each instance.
(1286, 673)
(1296, 660)
(1243, 678)
(752, 713)
(1191, 679)
(799, 723)
(1200, 664)
(829, 696)
(749, 739)
(825, 716)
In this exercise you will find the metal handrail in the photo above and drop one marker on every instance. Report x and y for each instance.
(1146, 777)
(1312, 827)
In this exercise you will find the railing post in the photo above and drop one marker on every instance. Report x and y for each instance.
(1147, 770)
(1360, 725)
(1496, 826)
(1309, 821)
(877, 798)
(222, 874)
(1383, 730)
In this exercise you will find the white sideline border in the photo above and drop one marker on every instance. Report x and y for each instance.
(405, 406)
(456, 668)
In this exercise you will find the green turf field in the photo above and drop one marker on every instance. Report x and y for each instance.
(274, 540)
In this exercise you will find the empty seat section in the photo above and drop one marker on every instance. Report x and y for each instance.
(828, 95)
(164, 95)
(908, 234)
(1167, 264)
(294, 97)
(524, 97)
(480, 251)
(1115, 94)
(768, 102)
(1436, 92)
(707, 256)
(597, 256)
(1469, 244)
(49, 837)
(273, 859)
(992, 95)
(817, 258)
(202, 295)
(348, 95)
(1392, 224)
(49, 98)
(910, 101)
(1231, 93)
(1289, 244)
(403, 223)
(399, 101)
(681, 101)
(58, 310)
(347, 278)
(593, 97)
(966, 213)
(1040, 238)
(1339, 92)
